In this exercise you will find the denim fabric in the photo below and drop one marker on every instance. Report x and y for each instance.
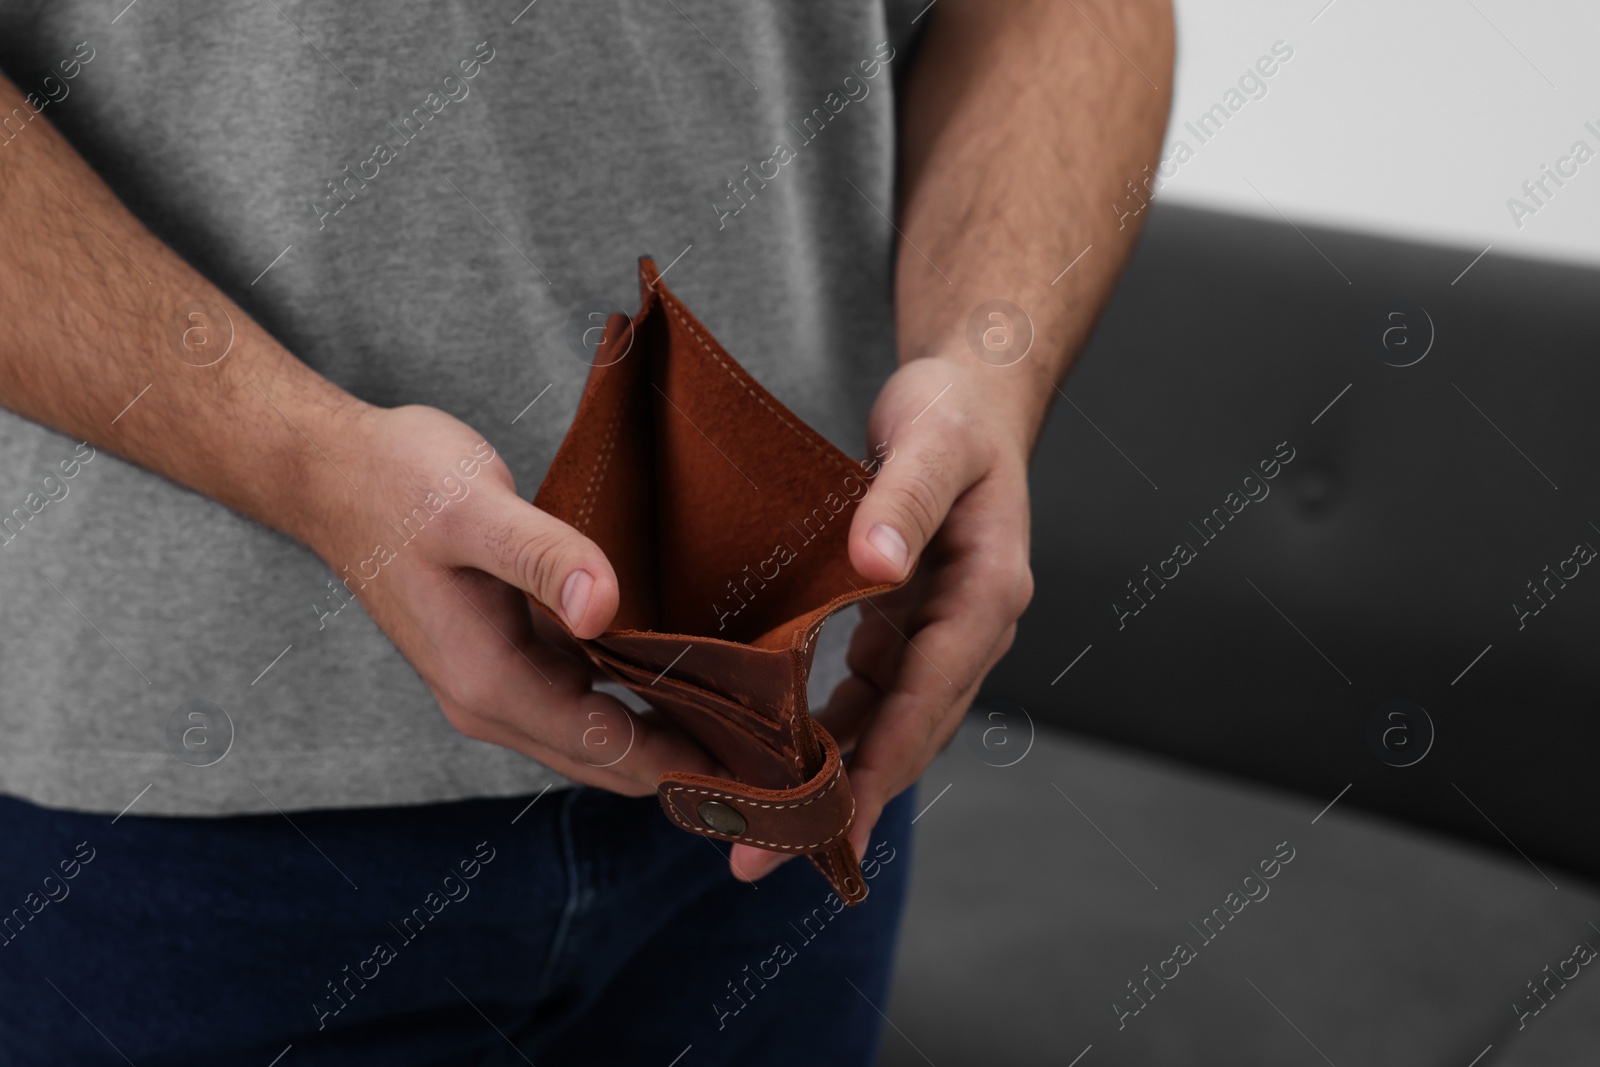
(575, 927)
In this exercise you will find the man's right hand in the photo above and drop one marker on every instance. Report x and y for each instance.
(452, 599)
(262, 433)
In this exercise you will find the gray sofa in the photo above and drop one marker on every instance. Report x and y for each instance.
(1380, 457)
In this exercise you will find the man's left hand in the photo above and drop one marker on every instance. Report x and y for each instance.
(951, 495)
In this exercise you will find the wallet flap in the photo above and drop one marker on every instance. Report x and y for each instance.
(810, 819)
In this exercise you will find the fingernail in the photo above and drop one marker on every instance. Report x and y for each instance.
(575, 596)
(890, 545)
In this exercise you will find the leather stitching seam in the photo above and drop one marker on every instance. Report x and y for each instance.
(586, 505)
(754, 841)
(678, 314)
(775, 807)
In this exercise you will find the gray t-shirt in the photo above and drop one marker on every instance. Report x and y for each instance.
(417, 199)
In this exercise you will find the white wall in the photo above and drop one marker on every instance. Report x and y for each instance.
(1412, 118)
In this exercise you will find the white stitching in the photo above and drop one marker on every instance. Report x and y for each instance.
(832, 867)
(777, 807)
(789, 718)
(585, 506)
(756, 841)
(837, 774)
(673, 304)
(833, 871)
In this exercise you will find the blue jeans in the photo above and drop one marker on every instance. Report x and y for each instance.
(582, 930)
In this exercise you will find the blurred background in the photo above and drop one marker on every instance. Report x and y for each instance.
(1380, 660)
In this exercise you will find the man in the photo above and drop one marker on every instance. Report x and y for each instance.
(297, 302)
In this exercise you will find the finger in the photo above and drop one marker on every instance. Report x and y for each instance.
(945, 660)
(539, 554)
(910, 496)
(853, 709)
(961, 629)
(874, 648)
(879, 642)
(874, 786)
(916, 718)
(749, 863)
(851, 706)
(553, 634)
(512, 690)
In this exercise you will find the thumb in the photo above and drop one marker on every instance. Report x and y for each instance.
(909, 499)
(544, 557)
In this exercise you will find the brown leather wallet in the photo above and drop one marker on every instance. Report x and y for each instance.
(726, 519)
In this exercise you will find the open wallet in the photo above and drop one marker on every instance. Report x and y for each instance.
(726, 519)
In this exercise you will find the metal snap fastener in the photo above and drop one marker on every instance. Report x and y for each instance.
(720, 817)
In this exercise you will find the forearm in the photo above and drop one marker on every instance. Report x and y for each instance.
(96, 313)
(1020, 127)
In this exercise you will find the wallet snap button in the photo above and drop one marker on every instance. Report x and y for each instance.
(720, 817)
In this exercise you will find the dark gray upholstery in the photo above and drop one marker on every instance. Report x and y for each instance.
(1385, 557)
(1384, 946)
(1396, 542)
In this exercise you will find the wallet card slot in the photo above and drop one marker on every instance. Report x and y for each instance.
(770, 732)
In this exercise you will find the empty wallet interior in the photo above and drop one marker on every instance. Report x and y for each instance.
(726, 519)
(724, 515)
